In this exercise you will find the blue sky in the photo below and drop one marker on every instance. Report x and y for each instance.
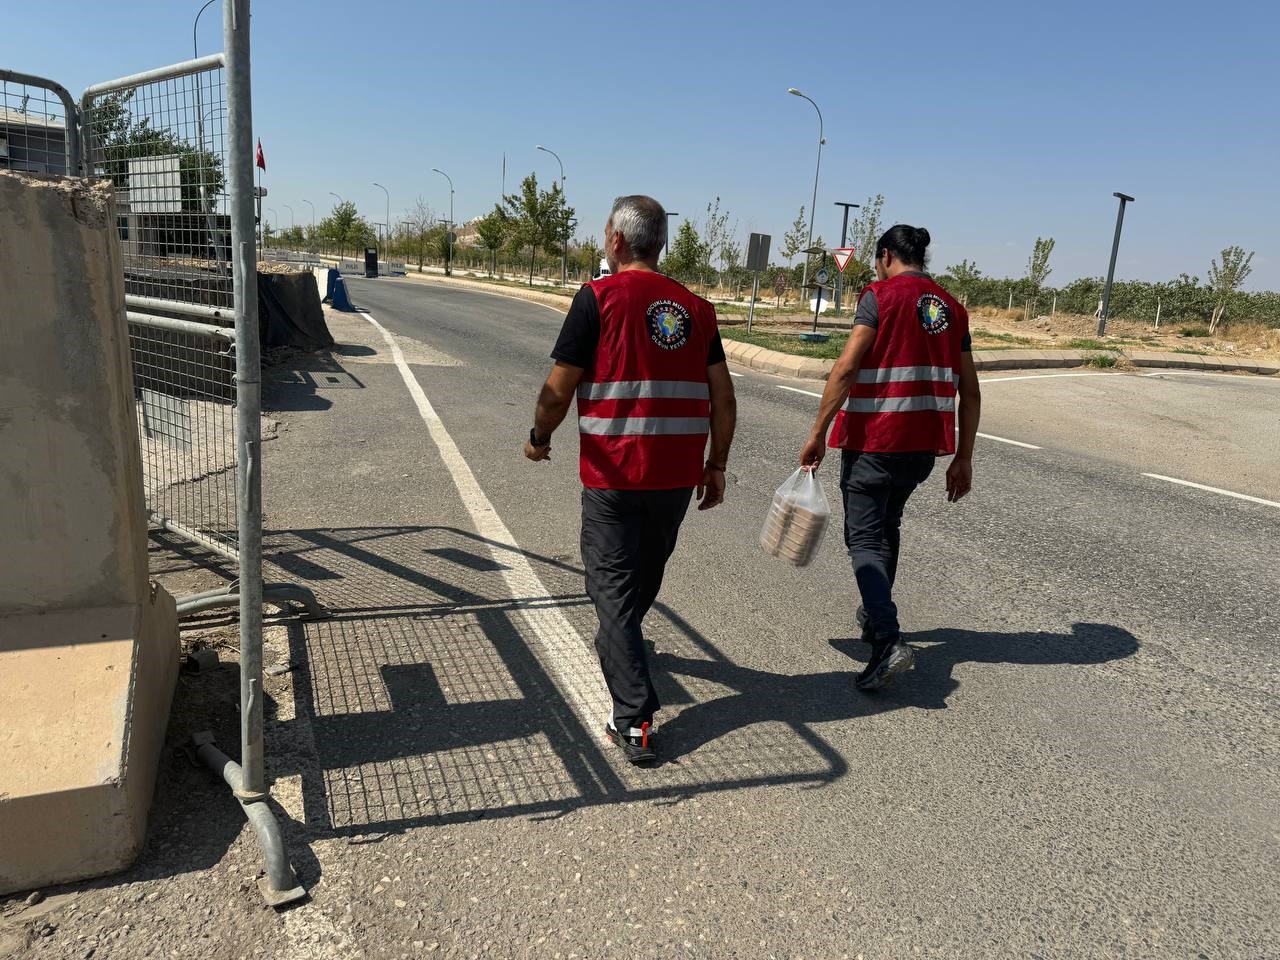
(989, 123)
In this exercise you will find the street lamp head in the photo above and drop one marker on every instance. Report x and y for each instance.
(377, 184)
(1123, 196)
(794, 92)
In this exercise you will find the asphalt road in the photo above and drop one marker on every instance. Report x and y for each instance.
(1083, 764)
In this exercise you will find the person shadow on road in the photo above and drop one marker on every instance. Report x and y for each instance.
(803, 699)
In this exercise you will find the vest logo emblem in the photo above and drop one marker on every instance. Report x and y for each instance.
(933, 313)
(668, 324)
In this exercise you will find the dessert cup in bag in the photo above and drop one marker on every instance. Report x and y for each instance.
(797, 519)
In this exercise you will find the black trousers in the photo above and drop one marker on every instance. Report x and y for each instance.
(876, 487)
(627, 538)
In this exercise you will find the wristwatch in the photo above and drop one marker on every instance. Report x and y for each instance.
(535, 442)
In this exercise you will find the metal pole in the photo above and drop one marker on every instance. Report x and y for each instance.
(388, 193)
(755, 290)
(208, 215)
(813, 211)
(248, 394)
(1111, 270)
(1157, 314)
(564, 249)
(449, 266)
(666, 246)
(844, 233)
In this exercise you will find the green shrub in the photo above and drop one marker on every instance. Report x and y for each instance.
(1194, 332)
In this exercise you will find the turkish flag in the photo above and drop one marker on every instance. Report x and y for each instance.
(258, 158)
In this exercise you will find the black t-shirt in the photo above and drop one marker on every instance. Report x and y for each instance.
(580, 334)
(868, 313)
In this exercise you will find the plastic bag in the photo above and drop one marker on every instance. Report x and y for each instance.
(797, 519)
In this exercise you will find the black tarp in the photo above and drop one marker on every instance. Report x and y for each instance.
(289, 313)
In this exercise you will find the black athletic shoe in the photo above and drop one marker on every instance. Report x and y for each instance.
(636, 743)
(893, 660)
(868, 634)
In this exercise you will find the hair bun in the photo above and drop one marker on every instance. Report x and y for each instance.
(922, 236)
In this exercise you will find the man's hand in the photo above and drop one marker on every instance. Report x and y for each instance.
(815, 449)
(537, 453)
(959, 478)
(710, 488)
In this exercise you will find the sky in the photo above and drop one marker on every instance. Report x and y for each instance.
(989, 123)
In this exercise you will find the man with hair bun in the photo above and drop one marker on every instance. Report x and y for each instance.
(644, 358)
(893, 395)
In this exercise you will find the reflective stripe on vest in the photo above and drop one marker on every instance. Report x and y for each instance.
(643, 426)
(904, 374)
(900, 404)
(645, 390)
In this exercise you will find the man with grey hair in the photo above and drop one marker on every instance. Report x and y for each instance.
(644, 358)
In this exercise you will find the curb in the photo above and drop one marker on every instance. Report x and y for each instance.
(810, 368)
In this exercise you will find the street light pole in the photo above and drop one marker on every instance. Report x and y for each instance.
(204, 204)
(665, 246)
(449, 266)
(388, 193)
(275, 218)
(342, 242)
(292, 223)
(844, 233)
(813, 211)
(564, 250)
(1111, 270)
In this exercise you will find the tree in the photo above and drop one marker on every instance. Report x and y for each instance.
(713, 237)
(118, 137)
(419, 221)
(686, 254)
(492, 231)
(731, 256)
(346, 228)
(1038, 269)
(863, 234)
(589, 256)
(793, 240)
(964, 275)
(1227, 278)
(537, 219)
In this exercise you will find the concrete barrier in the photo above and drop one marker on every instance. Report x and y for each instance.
(88, 646)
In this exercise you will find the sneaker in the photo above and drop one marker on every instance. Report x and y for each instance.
(896, 658)
(636, 743)
(877, 655)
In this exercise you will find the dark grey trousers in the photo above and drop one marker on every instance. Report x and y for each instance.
(876, 487)
(627, 538)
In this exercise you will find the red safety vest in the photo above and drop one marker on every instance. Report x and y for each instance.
(904, 397)
(644, 405)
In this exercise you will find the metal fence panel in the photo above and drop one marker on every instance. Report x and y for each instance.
(184, 391)
(161, 138)
(34, 133)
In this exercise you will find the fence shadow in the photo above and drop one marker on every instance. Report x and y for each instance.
(427, 704)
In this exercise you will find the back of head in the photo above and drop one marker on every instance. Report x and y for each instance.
(907, 244)
(642, 223)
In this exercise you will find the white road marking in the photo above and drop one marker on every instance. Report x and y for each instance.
(1047, 376)
(732, 374)
(558, 646)
(986, 436)
(1225, 493)
(1219, 375)
(1014, 443)
(807, 393)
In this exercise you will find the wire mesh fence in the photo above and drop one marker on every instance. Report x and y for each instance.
(34, 134)
(184, 392)
(163, 144)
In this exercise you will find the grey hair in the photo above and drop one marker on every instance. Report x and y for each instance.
(642, 223)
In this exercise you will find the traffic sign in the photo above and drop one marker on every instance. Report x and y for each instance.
(843, 255)
(822, 275)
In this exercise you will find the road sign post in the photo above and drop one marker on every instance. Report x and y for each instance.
(757, 260)
(844, 237)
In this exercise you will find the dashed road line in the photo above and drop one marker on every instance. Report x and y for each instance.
(1225, 493)
(1012, 443)
(1046, 376)
(807, 393)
